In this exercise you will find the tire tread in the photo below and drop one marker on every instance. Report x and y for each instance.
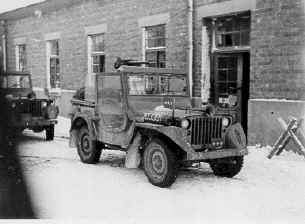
(232, 171)
(172, 165)
(95, 155)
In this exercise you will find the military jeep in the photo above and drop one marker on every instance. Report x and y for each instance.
(147, 112)
(25, 111)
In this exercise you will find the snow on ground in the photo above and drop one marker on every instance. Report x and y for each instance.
(63, 127)
(266, 191)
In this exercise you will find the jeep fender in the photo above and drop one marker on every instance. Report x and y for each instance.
(78, 121)
(235, 137)
(176, 134)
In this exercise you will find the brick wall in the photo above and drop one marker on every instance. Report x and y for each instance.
(123, 37)
(277, 41)
(277, 50)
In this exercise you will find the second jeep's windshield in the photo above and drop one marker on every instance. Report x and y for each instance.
(157, 85)
(15, 82)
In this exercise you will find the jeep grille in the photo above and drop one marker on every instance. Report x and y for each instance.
(205, 129)
(31, 107)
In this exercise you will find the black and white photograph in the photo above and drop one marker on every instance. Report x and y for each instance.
(152, 111)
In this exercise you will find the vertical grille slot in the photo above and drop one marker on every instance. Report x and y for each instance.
(205, 129)
(31, 107)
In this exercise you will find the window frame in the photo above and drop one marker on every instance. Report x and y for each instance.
(19, 58)
(215, 33)
(51, 56)
(92, 53)
(157, 49)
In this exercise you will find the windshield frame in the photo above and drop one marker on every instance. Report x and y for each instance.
(187, 92)
(16, 75)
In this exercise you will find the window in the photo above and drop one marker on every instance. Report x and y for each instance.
(155, 46)
(53, 62)
(21, 57)
(227, 75)
(97, 53)
(15, 82)
(157, 85)
(232, 31)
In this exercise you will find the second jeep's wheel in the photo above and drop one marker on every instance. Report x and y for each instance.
(87, 148)
(160, 164)
(227, 167)
(50, 133)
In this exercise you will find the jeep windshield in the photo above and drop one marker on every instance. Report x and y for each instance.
(15, 81)
(158, 84)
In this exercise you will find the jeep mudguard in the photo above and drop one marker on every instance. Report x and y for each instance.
(79, 120)
(176, 134)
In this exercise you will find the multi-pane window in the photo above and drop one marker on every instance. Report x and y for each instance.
(21, 57)
(54, 64)
(97, 53)
(227, 75)
(155, 46)
(232, 31)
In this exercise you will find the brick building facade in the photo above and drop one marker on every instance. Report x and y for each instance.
(260, 43)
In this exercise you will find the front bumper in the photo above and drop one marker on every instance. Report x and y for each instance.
(32, 122)
(217, 154)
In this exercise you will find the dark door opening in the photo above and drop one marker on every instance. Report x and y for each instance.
(231, 84)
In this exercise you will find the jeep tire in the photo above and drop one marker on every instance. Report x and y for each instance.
(87, 148)
(160, 164)
(227, 167)
(50, 133)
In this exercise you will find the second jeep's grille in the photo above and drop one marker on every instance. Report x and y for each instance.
(205, 129)
(31, 107)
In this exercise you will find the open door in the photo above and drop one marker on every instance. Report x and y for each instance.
(110, 102)
(231, 84)
(114, 126)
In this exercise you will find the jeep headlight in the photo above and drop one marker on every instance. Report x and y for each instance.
(14, 105)
(44, 104)
(52, 112)
(225, 122)
(185, 123)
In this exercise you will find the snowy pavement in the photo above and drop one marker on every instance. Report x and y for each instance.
(265, 191)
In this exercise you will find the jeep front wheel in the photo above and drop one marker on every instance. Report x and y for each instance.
(160, 164)
(50, 133)
(87, 148)
(227, 167)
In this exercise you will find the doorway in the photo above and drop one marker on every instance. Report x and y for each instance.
(231, 85)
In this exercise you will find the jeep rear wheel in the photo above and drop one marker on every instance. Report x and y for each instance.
(50, 133)
(87, 148)
(160, 164)
(227, 167)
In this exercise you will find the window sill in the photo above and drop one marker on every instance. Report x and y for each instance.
(155, 48)
(54, 91)
(231, 49)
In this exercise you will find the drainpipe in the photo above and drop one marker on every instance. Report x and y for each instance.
(3, 24)
(191, 44)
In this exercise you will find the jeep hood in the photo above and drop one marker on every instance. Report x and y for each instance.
(165, 113)
(139, 106)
